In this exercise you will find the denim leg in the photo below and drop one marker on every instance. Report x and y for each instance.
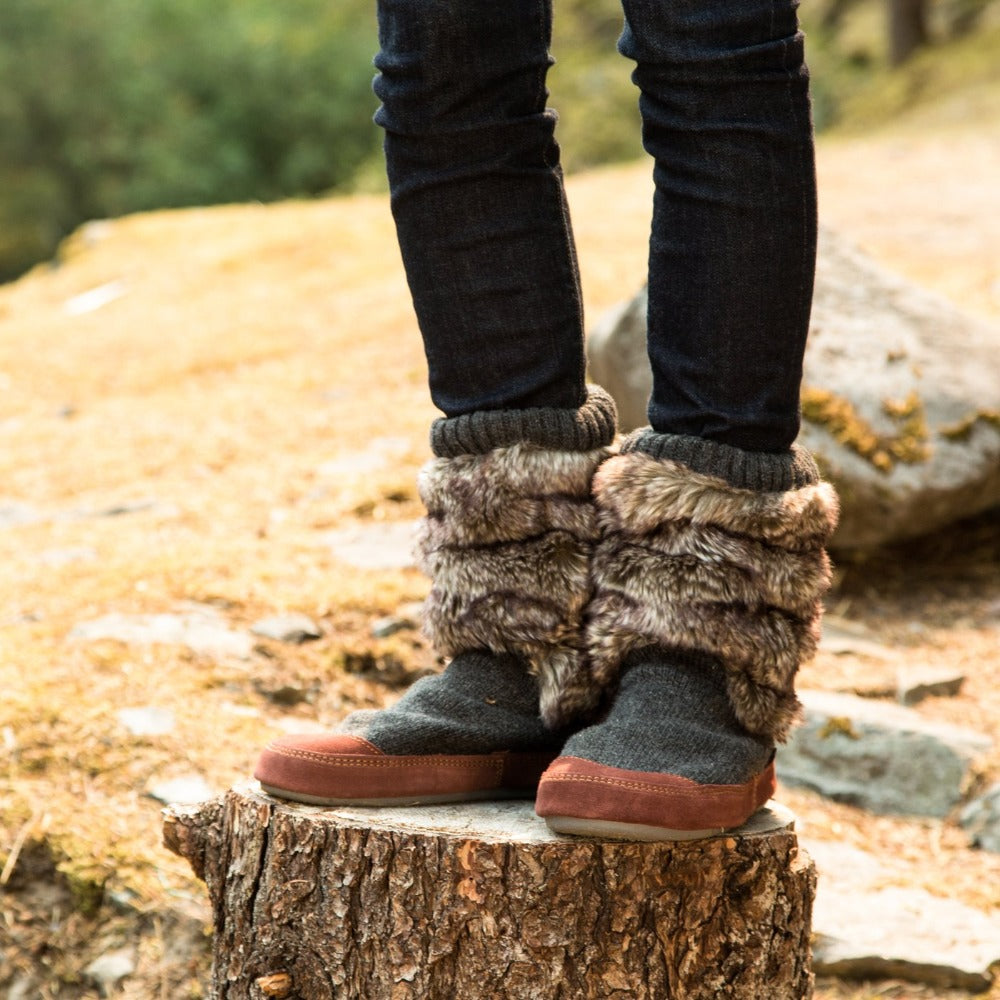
(477, 196)
(726, 117)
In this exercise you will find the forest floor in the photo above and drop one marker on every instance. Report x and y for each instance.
(192, 403)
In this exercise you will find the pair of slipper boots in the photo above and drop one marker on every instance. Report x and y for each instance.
(624, 633)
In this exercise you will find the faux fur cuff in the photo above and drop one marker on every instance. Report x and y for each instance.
(507, 542)
(689, 562)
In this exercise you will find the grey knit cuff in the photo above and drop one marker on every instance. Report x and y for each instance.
(591, 426)
(766, 472)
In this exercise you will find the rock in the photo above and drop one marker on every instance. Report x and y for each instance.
(864, 928)
(382, 628)
(148, 720)
(95, 298)
(14, 513)
(182, 791)
(294, 628)
(385, 545)
(63, 557)
(914, 684)
(843, 639)
(981, 817)
(901, 397)
(287, 695)
(878, 756)
(199, 628)
(110, 969)
(22, 988)
(381, 453)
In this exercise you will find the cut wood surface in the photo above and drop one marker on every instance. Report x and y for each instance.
(481, 902)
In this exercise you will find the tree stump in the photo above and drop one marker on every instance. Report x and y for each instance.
(481, 902)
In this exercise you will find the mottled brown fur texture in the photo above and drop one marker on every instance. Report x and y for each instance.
(507, 543)
(688, 562)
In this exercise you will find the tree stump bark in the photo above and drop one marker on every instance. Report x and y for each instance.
(481, 902)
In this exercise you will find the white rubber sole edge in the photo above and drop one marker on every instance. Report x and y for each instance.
(606, 829)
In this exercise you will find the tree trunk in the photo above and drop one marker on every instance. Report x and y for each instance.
(482, 902)
(907, 28)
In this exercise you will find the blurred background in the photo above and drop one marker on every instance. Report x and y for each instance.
(127, 105)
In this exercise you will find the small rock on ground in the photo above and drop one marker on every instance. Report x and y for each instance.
(202, 630)
(181, 791)
(867, 928)
(981, 818)
(878, 756)
(109, 969)
(382, 628)
(385, 545)
(13, 513)
(292, 628)
(148, 720)
(914, 684)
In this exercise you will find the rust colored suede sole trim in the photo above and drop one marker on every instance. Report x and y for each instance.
(346, 770)
(580, 797)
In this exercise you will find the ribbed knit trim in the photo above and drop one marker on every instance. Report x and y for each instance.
(765, 472)
(591, 426)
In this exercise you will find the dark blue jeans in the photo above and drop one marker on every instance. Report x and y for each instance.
(484, 230)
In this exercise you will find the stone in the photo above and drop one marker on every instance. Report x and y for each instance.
(14, 513)
(381, 453)
(65, 556)
(22, 988)
(147, 720)
(380, 546)
(95, 298)
(914, 684)
(110, 969)
(878, 756)
(382, 628)
(294, 628)
(981, 818)
(866, 927)
(843, 639)
(200, 628)
(901, 397)
(287, 695)
(184, 790)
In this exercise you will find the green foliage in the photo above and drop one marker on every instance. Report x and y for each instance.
(855, 89)
(591, 85)
(115, 106)
(123, 105)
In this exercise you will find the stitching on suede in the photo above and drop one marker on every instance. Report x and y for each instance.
(685, 793)
(698, 791)
(348, 760)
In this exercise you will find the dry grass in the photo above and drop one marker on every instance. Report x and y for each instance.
(250, 346)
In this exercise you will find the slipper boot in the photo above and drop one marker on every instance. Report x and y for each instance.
(471, 732)
(588, 799)
(342, 769)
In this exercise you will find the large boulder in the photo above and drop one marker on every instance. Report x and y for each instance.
(900, 400)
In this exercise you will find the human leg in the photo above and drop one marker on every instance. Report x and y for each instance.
(484, 233)
(711, 565)
(726, 118)
(507, 542)
(477, 196)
